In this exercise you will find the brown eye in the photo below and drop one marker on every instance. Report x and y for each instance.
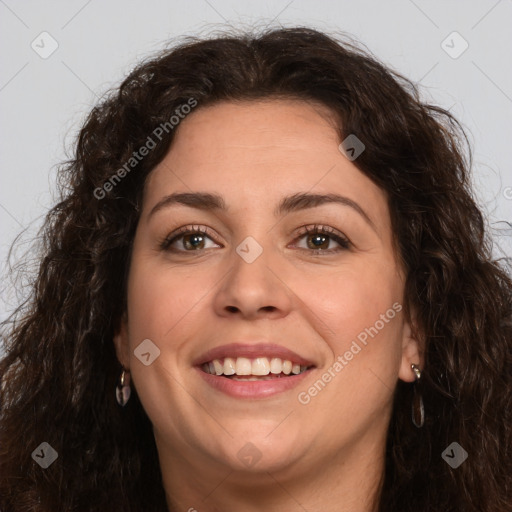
(193, 241)
(318, 239)
(187, 240)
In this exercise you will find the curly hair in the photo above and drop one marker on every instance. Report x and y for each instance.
(60, 369)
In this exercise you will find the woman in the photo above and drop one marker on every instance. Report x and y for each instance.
(267, 287)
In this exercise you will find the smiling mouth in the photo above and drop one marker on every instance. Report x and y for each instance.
(254, 369)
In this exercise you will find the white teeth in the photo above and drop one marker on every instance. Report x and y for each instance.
(276, 365)
(243, 366)
(219, 368)
(229, 366)
(287, 367)
(258, 367)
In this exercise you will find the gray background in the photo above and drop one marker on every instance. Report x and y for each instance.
(43, 101)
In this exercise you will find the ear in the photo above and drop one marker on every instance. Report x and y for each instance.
(412, 353)
(121, 342)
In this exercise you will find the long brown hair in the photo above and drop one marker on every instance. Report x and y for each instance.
(60, 368)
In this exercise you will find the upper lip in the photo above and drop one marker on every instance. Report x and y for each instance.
(251, 350)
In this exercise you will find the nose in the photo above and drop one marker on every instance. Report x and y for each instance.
(254, 289)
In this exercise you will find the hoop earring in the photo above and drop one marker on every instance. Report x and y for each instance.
(418, 411)
(123, 389)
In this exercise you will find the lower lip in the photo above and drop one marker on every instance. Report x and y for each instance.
(252, 389)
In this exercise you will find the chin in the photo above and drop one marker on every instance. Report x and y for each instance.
(262, 451)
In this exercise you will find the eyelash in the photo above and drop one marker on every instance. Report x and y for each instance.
(345, 244)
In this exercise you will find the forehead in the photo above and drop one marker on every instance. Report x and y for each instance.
(271, 148)
(289, 117)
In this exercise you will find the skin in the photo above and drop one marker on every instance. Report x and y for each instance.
(327, 454)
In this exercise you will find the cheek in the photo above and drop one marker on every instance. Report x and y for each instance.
(363, 311)
(160, 298)
(163, 306)
(351, 299)
(357, 314)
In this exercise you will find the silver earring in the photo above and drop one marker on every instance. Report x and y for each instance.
(123, 389)
(418, 411)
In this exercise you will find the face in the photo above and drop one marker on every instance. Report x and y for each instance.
(265, 270)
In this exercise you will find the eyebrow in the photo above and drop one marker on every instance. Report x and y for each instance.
(300, 201)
